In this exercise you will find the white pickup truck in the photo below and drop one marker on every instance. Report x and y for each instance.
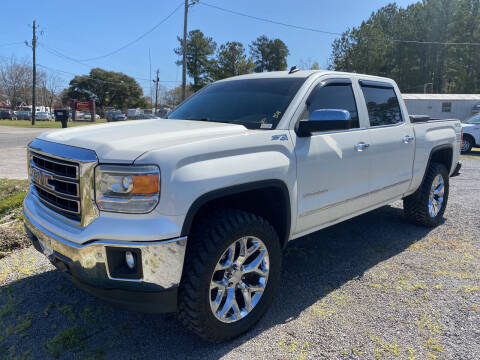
(191, 213)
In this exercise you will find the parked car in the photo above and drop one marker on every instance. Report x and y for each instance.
(115, 115)
(471, 133)
(142, 117)
(191, 213)
(24, 115)
(7, 114)
(42, 115)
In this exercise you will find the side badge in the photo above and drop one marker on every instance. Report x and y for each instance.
(281, 137)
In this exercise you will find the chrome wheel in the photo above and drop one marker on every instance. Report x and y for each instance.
(465, 145)
(239, 279)
(435, 200)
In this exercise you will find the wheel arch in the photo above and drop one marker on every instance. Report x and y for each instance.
(267, 198)
(442, 154)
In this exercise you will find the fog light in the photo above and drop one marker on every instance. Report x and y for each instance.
(129, 259)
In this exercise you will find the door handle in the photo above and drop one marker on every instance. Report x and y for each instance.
(361, 146)
(407, 139)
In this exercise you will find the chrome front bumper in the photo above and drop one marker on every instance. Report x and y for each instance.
(162, 261)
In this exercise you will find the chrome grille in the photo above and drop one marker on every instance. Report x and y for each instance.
(56, 184)
(57, 167)
(62, 179)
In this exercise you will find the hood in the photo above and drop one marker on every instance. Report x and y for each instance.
(465, 125)
(124, 142)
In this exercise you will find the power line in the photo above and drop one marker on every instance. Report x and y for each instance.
(95, 79)
(137, 39)
(59, 54)
(306, 28)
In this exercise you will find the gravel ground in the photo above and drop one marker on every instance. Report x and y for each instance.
(372, 287)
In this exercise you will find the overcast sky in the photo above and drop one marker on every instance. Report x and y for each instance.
(87, 29)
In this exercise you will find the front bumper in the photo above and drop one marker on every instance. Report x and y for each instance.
(87, 266)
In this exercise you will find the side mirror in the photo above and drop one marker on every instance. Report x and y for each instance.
(324, 120)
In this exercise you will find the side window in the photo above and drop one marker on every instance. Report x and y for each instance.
(446, 107)
(382, 105)
(332, 96)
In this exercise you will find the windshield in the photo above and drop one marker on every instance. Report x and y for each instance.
(254, 103)
(475, 119)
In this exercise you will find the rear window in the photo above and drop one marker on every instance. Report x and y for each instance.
(254, 103)
(382, 104)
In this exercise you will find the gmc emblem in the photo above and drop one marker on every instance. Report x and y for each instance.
(41, 178)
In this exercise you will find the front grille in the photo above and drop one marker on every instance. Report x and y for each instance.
(57, 167)
(57, 184)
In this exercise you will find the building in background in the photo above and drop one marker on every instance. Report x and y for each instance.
(442, 106)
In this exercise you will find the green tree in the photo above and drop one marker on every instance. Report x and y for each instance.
(231, 61)
(199, 57)
(108, 88)
(389, 44)
(268, 54)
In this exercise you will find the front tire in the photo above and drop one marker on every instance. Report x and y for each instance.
(225, 290)
(427, 205)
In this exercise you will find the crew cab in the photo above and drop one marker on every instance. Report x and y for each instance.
(191, 213)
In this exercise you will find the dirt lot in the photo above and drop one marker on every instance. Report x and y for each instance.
(373, 287)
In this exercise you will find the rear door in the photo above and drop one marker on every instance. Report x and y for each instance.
(332, 169)
(392, 142)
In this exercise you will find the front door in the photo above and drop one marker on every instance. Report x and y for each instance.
(332, 167)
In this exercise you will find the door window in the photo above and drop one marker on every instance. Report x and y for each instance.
(337, 96)
(382, 105)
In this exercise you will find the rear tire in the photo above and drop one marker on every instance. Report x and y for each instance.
(467, 144)
(210, 241)
(427, 205)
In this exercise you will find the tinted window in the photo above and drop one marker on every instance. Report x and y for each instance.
(254, 103)
(382, 104)
(333, 96)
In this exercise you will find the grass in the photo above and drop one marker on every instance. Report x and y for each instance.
(70, 339)
(12, 193)
(47, 124)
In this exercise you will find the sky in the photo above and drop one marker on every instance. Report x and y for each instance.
(72, 31)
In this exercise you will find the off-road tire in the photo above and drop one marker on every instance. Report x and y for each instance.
(415, 206)
(208, 241)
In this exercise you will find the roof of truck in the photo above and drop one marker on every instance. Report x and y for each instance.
(299, 74)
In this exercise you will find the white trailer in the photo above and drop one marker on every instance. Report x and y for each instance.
(441, 106)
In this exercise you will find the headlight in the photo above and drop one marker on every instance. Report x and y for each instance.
(127, 189)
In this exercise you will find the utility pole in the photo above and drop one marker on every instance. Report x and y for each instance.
(34, 70)
(150, 62)
(184, 59)
(157, 79)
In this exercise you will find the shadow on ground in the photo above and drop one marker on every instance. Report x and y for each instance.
(66, 322)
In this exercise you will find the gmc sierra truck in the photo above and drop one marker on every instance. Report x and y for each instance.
(191, 213)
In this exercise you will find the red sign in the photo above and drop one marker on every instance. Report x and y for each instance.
(83, 105)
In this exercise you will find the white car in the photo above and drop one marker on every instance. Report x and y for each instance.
(471, 133)
(42, 115)
(191, 213)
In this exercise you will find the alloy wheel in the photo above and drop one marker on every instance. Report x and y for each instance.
(435, 200)
(239, 279)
